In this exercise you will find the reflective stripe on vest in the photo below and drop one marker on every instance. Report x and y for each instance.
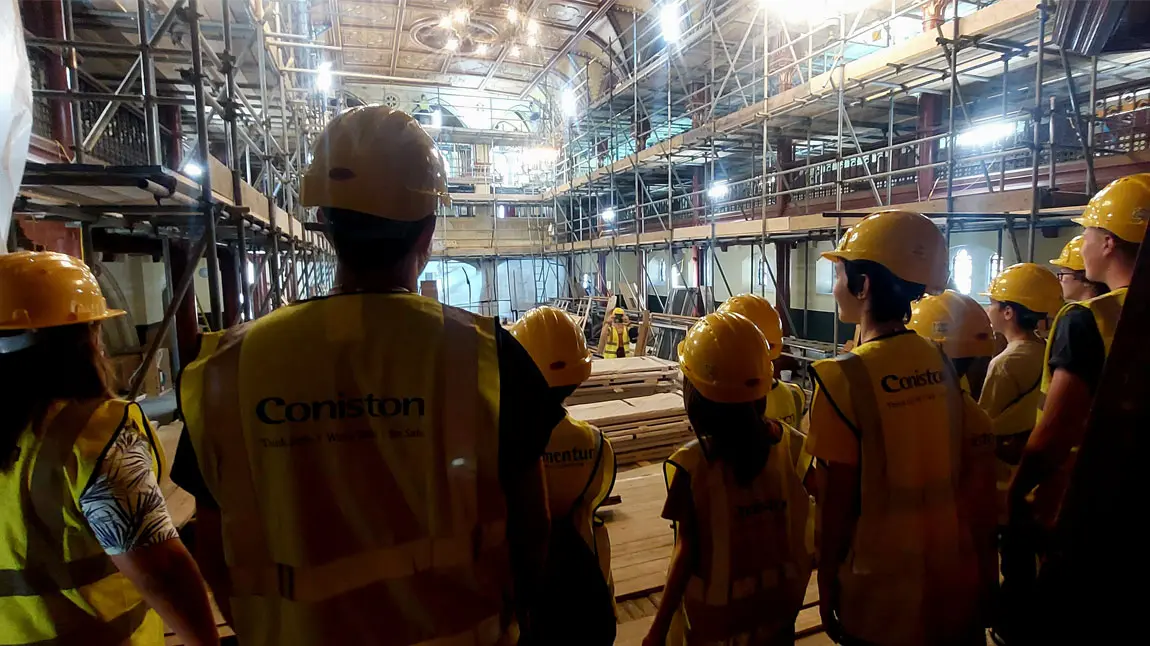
(746, 583)
(451, 540)
(47, 575)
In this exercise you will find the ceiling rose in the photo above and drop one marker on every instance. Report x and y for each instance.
(462, 38)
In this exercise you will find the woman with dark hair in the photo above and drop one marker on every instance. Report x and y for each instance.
(88, 544)
(740, 566)
(905, 461)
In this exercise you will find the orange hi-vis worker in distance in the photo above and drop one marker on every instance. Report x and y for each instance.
(905, 457)
(375, 456)
(89, 554)
(961, 327)
(580, 466)
(741, 564)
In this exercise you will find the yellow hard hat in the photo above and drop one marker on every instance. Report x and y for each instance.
(377, 161)
(1031, 286)
(618, 310)
(1122, 208)
(40, 289)
(955, 321)
(1071, 256)
(724, 356)
(556, 344)
(763, 315)
(906, 243)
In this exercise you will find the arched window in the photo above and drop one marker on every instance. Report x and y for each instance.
(963, 269)
(995, 267)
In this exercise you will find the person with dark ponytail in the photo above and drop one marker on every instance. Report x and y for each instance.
(88, 544)
(740, 567)
(905, 461)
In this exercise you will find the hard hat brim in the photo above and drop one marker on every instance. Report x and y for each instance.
(109, 314)
(1084, 222)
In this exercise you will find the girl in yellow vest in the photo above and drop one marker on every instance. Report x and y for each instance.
(1072, 274)
(580, 468)
(959, 324)
(87, 542)
(740, 566)
(905, 459)
(1022, 297)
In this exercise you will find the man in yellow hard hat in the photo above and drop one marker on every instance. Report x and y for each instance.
(740, 566)
(376, 456)
(89, 553)
(1072, 274)
(904, 457)
(615, 338)
(959, 324)
(580, 467)
(1115, 221)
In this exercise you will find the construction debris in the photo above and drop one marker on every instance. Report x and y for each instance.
(643, 428)
(613, 379)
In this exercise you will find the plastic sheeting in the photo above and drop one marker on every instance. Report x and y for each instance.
(15, 111)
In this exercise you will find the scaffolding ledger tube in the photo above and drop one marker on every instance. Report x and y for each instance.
(1036, 134)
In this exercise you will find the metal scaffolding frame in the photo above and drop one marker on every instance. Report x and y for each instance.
(272, 258)
(704, 140)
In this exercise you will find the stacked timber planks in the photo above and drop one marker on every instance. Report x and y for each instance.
(625, 378)
(640, 428)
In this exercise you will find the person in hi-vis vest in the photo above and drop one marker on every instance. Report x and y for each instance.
(740, 565)
(905, 458)
(580, 467)
(1080, 339)
(375, 456)
(615, 336)
(961, 326)
(1072, 274)
(89, 554)
(1022, 298)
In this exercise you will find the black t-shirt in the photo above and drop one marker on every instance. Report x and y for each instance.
(1076, 346)
(527, 414)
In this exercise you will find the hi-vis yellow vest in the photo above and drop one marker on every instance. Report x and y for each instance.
(57, 586)
(581, 468)
(912, 573)
(786, 402)
(754, 563)
(352, 444)
(611, 348)
(1106, 309)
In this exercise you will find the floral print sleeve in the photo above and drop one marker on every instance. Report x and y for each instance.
(123, 503)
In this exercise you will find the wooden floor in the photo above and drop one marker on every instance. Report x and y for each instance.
(641, 544)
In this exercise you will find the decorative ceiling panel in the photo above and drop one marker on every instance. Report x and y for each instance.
(359, 36)
(367, 57)
(367, 13)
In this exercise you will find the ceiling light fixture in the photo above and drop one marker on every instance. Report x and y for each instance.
(512, 15)
(452, 44)
(445, 22)
(515, 51)
(718, 191)
(323, 79)
(608, 214)
(192, 169)
(460, 15)
(532, 26)
(532, 41)
(481, 49)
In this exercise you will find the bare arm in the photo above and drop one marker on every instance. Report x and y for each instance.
(838, 490)
(1062, 428)
(528, 531)
(209, 546)
(169, 581)
(678, 575)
